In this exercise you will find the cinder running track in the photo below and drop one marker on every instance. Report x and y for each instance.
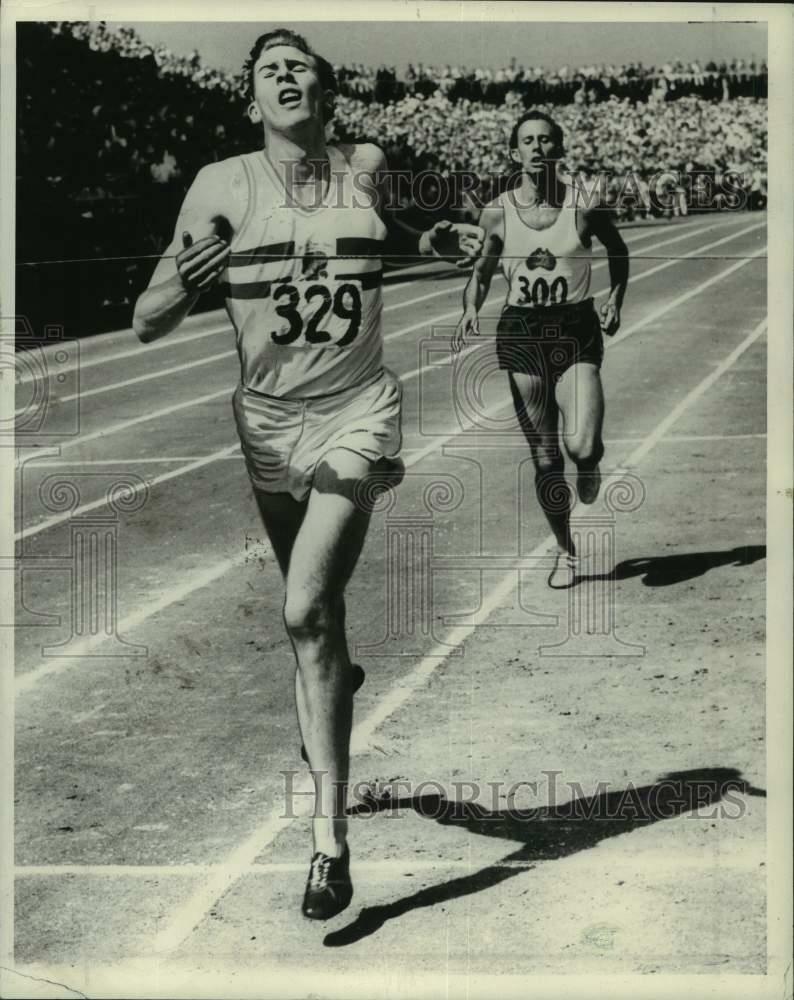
(152, 830)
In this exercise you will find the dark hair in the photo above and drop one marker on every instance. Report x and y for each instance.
(538, 116)
(285, 36)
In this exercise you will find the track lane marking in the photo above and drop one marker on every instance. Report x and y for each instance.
(224, 326)
(618, 338)
(188, 915)
(170, 460)
(143, 349)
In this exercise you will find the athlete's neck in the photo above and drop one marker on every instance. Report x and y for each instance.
(543, 188)
(302, 155)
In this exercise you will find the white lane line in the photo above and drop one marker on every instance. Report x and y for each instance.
(423, 298)
(191, 466)
(226, 355)
(224, 326)
(166, 411)
(148, 377)
(145, 460)
(123, 425)
(187, 366)
(603, 263)
(141, 350)
(138, 349)
(172, 459)
(686, 296)
(51, 522)
(733, 856)
(82, 717)
(165, 477)
(188, 915)
(196, 580)
(217, 317)
(695, 438)
(187, 404)
(194, 910)
(232, 353)
(692, 397)
(220, 324)
(702, 250)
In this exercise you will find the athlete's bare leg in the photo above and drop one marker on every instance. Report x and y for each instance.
(282, 517)
(580, 398)
(581, 401)
(319, 563)
(538, 415)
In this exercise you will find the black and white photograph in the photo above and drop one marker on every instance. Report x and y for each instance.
(396, 440)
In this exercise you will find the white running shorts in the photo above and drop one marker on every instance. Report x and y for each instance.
(283, 440)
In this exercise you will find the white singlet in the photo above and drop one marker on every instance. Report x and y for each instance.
(307, 324)
(544, 267)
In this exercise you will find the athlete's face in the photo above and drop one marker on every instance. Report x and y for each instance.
(287, 89)
(536, 147)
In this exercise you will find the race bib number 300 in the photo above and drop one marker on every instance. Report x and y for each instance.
(307, 308)
(540, 293)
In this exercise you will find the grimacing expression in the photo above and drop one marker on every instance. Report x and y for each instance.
(536, 146)
(287, 90)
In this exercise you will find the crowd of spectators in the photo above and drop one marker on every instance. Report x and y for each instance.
(627, 141)
(560, 85)
(112, 130)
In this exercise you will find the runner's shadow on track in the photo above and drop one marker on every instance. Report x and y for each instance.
(665, 571)
(548, 833)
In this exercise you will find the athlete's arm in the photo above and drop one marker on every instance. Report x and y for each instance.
(476, 291)
(454, 241)
(599, 222)
(192, 262)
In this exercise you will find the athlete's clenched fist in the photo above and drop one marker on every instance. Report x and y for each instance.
(200, 264)
(457, 241)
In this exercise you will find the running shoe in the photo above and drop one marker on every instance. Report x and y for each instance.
(358, 676)
(565, 571)
(328, 889)
(588, 484)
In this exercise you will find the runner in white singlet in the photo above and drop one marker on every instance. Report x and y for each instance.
(549, 336)
(319, 418)
(554, 272)
(307, 311)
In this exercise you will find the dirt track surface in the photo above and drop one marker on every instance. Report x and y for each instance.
(625, 716)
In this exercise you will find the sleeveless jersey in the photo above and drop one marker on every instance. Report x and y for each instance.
(544, 267)
(307, 323)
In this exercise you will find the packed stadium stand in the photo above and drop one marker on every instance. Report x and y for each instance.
(111, 131)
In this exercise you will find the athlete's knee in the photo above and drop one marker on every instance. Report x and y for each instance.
(585, 450)
(310, 616)
(548, 461)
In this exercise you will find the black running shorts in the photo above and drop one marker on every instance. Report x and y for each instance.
(546, 341)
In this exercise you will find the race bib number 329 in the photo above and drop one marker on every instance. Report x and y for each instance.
(307, 308)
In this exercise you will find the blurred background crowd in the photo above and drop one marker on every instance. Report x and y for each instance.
(111, 131)
(561, 85)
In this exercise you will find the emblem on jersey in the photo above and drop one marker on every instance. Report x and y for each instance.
(314, 262)
(541, 258)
